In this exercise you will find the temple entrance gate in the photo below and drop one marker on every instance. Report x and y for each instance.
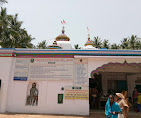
(112, 78)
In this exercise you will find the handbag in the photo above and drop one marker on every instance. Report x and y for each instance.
(120, 115)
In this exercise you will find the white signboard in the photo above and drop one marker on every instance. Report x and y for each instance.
(81, 69)
(21, 69)
(77, 93)
(51, 68)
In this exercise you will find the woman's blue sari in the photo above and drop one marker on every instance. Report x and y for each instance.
(113, 108)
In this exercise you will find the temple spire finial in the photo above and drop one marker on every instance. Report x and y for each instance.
(63, 31)
(63, 22)
(88, 37)
(88, 34)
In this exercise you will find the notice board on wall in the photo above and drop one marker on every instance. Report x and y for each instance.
(44, 68)
(77, 93)
(80, 72)
(51, 68)
(21, 69)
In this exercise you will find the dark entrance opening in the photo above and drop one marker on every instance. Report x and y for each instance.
(95, 88)
(138, 87)
(116, 86)
(121, 85)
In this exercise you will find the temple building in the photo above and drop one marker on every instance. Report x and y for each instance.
(89, 44)
(60, 80)
(63, 40)
(54, 46)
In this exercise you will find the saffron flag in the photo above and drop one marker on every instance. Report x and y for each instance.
(63, 22)
(87, 28)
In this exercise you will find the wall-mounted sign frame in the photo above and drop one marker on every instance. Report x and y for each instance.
(60, 98)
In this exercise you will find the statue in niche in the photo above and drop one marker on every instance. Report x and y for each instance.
(32, 97)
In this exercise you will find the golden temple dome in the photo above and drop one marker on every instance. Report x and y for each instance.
(62, 37)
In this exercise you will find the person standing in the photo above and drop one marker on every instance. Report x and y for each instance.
(127, 100)
(94, 97)
(120, 100)
(139, 102)
(112, 109)
(134, 98)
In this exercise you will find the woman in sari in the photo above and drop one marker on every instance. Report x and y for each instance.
(134, 98)
(120, 100)
(112, 109)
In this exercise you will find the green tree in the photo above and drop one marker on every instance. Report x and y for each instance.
(115, 46)
(4, 28)
(42, 45)
(97, 42)
(134, 42)
(11, 33)
(3, 1)
(77, 46)
(106, 44)
(124, 43)
(138, 44)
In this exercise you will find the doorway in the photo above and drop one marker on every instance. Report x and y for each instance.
(95, 87)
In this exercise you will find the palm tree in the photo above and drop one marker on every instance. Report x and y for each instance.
(106, 44)
(97, 43)
(4, 27)
(77, 46)
(42, 45)
(124, 43)
(115, 46)
(138, 44)
(3, 1)
(132, 41)
(135, 42)
(11, 33)
(24, 40)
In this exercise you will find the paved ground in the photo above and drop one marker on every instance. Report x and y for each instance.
(92, 115)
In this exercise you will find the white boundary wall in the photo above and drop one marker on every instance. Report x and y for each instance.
(48, 97)
(5, 71)
(13, 93)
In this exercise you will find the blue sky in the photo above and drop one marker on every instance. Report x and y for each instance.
(108, 19)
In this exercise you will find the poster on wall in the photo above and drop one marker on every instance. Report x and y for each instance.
(32, 94)
(60, 98)
(81, 70)
(51, 68)
(77, 93)
(21, 69)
